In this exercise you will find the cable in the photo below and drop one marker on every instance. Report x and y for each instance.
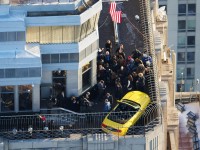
(103, 22)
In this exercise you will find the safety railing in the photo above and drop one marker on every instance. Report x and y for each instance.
(152, 78)
(46, 125)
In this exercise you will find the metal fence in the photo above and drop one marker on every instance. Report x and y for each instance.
(59, 122)
(149, 47)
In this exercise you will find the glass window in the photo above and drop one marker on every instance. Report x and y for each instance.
(180, 72)
(181, 25)
(191, 56)
(180, 87)
(74, 57)
(191, 40)
(64, 58)
(181, 56)
(181, 41)
(54, 58)
(191, 9)
(25, 97)
(35, 72)
(3, 36)
(1, 73)
(181, 9)
(21, 36)
(7, 98)
(11, 36)
(21, 72)
(191, 25)
(190, 72)
(10, 73)
(45, 58)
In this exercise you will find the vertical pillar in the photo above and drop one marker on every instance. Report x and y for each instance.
(73, 84)
(94, 72)
(16, 98)
(36, 98)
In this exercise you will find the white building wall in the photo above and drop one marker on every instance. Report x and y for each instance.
(46, 76)
(73, 82)
(36, 98)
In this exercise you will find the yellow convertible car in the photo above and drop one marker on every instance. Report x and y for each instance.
(126, 113)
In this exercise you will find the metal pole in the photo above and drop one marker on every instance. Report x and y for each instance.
(181, 85)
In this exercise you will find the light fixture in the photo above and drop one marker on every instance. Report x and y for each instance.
(32, 85)
(197, 81)
(30, 130)
(137, 18)
(59, 71)
(46, 128)
(61, 128)
(14, 131)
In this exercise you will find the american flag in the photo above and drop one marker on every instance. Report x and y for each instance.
(115, 15)
(112, 8)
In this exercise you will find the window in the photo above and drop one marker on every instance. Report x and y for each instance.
(45, 58)
(86, 76)
(191, 57)
(190, 73)
(3, 36)
(7, 98)
(21, 72)
(1, 73)
(181, 9)
(74, 57)
(35, 72)
(191, 9)
(11, 36)
(25, 97)
(191, 41)
(181, 41)
(191, 25)
(181, 56)
(10, 73)
(20, 36)
(64, 58)
(181, 25)
(180, 87)
(54, 58)
(180, 72)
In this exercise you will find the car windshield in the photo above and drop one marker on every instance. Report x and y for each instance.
(124, 111)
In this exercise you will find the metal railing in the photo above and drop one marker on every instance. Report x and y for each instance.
(149, 47)
(59, 122)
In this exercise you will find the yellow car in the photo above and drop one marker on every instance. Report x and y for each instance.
(126, 113)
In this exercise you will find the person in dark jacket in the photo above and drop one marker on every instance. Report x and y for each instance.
(140, 83)
(108, 46)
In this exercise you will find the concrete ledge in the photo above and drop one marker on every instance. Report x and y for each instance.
(20, 144)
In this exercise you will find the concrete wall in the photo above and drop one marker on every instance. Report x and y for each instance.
(92, 142)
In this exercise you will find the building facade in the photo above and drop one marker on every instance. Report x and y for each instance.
(183, 36)
(46, 48)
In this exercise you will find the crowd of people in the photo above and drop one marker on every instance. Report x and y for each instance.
(117, 74)
(124, 73)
